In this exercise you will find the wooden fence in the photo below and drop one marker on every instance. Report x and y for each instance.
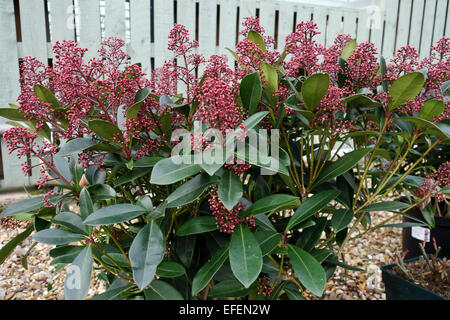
(31, 27)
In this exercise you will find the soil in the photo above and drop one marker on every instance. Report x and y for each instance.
(431, 281)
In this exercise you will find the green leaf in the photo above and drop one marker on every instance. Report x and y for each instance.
(146, 253)
(71, 221)
(114, 214)
(250, 92)
(407, 87)
(271, 76)
(170, 269)
(197, 225)
(8, 248)
(431, 108)
(105, 129)
(268, 240)
(342, 165)
(174, 169)
(230, 189)
(272, 203)
(78, 276)
(428, 213)
(311, 205)
(160, 290)
(229, 289)
(310, 273)
(131, 175)
(13, 114)
(101, 192)
(245, 256)
(314, 89)
(190, 190)
(45, 95)
(24, 206)
(86, 204)
(57, 236)
(386, 206)
(76, 145)
(139, 98)
(65, 254)
(348, 49)
(341, 219)
(208, 270)
(147, 162)
(257, 39)
(112, 293)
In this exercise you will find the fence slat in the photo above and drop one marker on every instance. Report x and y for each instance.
(247, 9)
(207, 27)
(115, 18)
(139, 48)
(34, 34)
(439, 20)
(447, 28)
(416, 23)
(403, 23)
(90, 32)
(427, 31)
(334, 26)
(61, 20)
(163, 16)
(390, 29)
(227, 29)
(350, 22)
(267, 16)
(363, 26)
(186, 15)
(320, 17)
(303, 13)
(285, 21)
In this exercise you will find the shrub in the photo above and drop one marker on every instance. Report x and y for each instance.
(216, 215)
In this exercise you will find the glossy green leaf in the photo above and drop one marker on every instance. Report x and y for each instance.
(146, 253)
(173, 169)
(342, 165)
(314, 89)
(208, 270)
(431, 109)
(139, 98)
(245, 256)
(76, 145)
(9, 247)
(386, 206)
(312, 205)
(268, 240)
(271, 76)
(131, 175)
(160, 290)
(272, 203)
(105, 129)
(45, 95)
(251, 91)
(57, 236)
(257, 39)
(197, 225)
(230, 189)
(310, 273)
(13, 114)
(341, 219)
(170, 269)
(229, 289)
(428, 213)
(86, 204)
(114, 214)
(24, 206)
(405, 88)
(65, 254)
(348, 49)
(147, 162)
(71, 221)
(190, 190)
(101, 192)
(78, 276)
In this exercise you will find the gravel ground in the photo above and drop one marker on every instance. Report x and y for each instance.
(42, 282)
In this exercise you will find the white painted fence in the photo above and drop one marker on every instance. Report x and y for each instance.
(30, 27)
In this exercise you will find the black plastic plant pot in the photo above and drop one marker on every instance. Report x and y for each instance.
(441, 232)
(398, 288)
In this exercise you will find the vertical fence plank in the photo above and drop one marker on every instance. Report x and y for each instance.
(447, 27)
(227, 29)
(320, 17)
(163, 22)
(427, 31)
(247, 8)
(363, 26)
(90, 32)
(334, 25)
(139, 48)
(186, 15)
(350, 22)
(285, 21)
(267, 16)
(115, 18)
(304, 13)
(61, 20)
(415, 30)
(439, 21)
(34, 32)
(403, 23)
(207, 27)
(9, 62)
(377, 18)
(389, 34)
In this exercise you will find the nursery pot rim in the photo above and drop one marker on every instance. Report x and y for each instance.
(388, 267)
